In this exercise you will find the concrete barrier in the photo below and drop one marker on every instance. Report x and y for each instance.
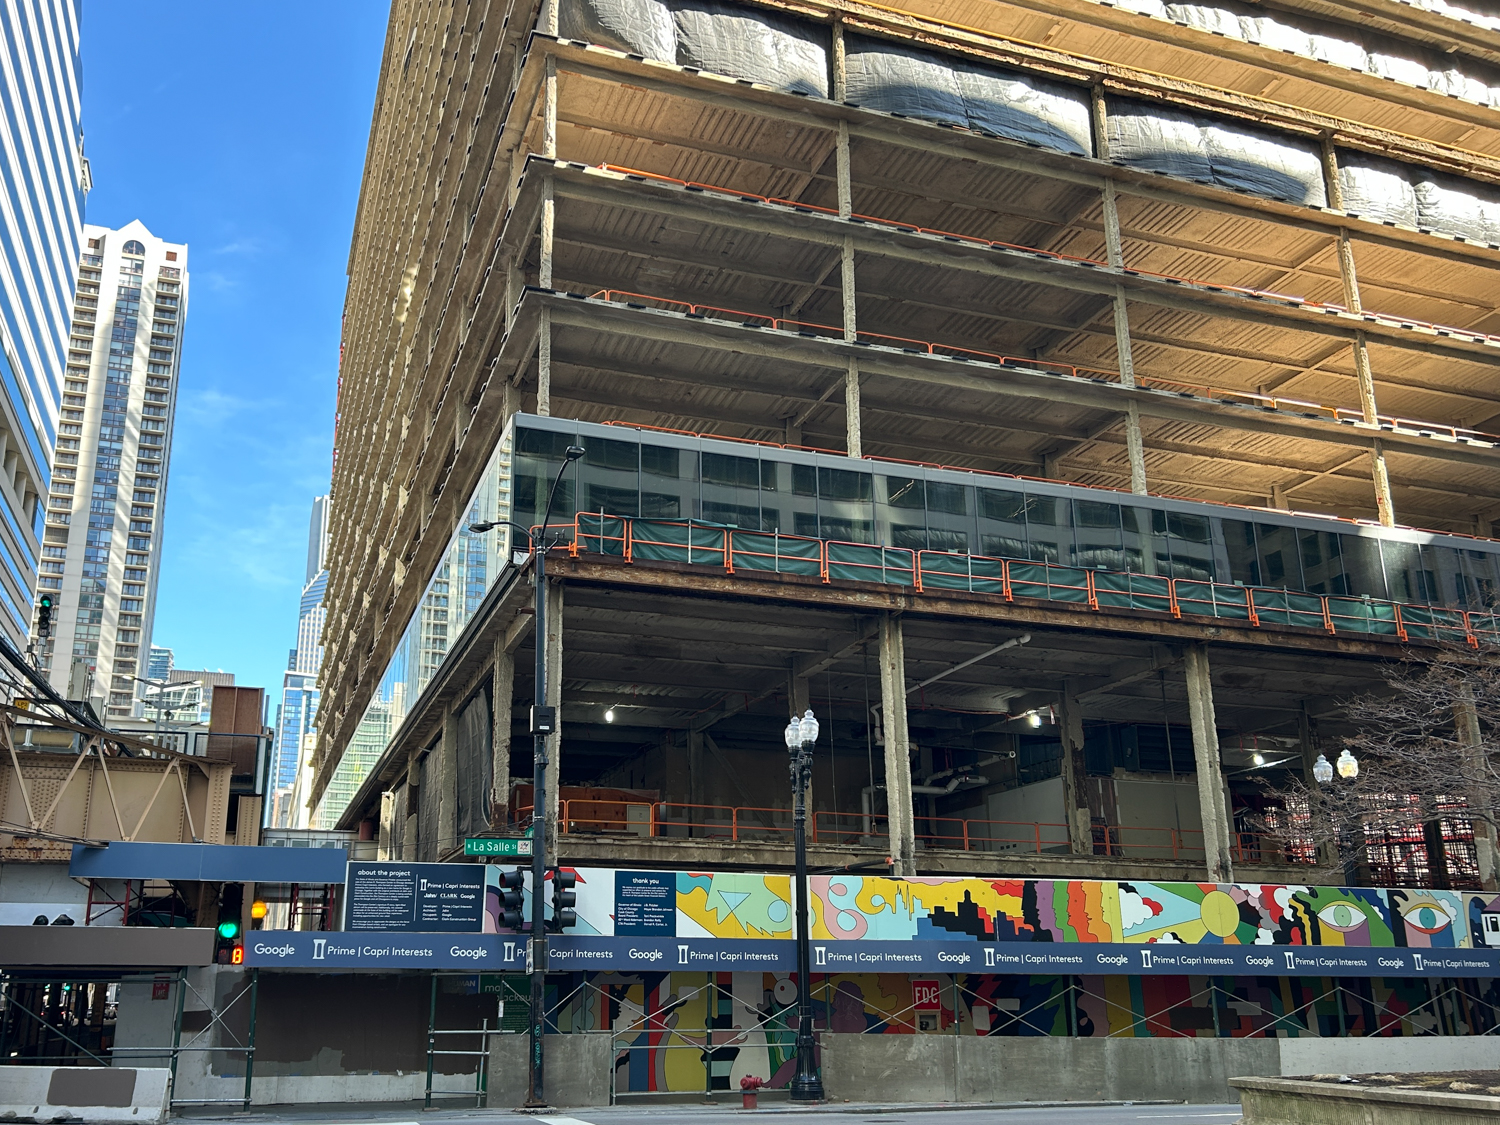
(104, 1094)
(1280, 1101)
(964, 1068)
(577, 1070)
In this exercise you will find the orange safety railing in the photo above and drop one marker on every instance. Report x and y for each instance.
(1337, 413)
(729, 549)
(681, 820)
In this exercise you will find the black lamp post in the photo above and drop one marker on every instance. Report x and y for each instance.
(543, 724)
(801, 734)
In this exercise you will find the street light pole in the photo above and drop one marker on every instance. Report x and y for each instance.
(543, 724)
(801, 735)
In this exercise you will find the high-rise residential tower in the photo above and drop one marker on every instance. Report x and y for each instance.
(45, 178)
(296, 720)
(102, 546)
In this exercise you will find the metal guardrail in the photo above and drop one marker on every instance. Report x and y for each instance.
(734, 550)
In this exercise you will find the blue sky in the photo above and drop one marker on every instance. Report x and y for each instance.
(240, 130)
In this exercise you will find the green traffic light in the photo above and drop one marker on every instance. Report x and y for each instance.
(229, 929)
(46, 601)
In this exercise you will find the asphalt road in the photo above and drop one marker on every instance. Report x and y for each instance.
(891, 1115)
(775, 1114)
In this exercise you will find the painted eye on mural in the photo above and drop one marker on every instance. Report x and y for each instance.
(1426, 917)
(1342, 916)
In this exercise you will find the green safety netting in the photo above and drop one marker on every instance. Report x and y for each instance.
(661, 541)
(1054, 583)
(1282, 607)
(602, 535)
(860, 563)
(1212, 599)
(1429, 623)
(705, 545)
(1362, 615)
(942, 570)
(1133, 591)
(1484, 624)
(784, 554)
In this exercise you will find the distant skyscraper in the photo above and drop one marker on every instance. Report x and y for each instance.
(44, 178)
(102, 547)
(159, 663)
(299, 693)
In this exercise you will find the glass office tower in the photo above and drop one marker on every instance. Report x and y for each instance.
(296, 725)
(45, 178)
(101, 552)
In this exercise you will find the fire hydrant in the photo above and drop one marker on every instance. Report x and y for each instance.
(749, 1091)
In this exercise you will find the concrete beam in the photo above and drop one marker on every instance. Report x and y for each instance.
(990, 378)
(611, 189)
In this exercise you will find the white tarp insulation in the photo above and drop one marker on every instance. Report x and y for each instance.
(722, 38)
(1345, 47)
(1401, 193)
(935, 87)
(1214, 152)
(787, 54)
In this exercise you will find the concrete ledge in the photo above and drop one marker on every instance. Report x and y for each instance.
(1287, 1101)
(93, 1093)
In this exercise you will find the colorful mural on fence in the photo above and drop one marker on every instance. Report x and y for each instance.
(689, 1031)
(736, 905)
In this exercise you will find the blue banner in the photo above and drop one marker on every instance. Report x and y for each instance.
(574, 953)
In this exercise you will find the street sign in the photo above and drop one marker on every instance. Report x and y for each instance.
(498, 846)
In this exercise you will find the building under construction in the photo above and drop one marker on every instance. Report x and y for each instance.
(1071, 403)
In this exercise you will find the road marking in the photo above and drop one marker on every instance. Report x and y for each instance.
(560, 1120)
(1178, 1116)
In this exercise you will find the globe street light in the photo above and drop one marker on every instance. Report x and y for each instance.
(801, 734)
(543, 723)
(1347, 764)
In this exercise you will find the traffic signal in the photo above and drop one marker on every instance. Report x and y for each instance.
(227, 932)
(564, 898)
(512, 897)
(44, 615)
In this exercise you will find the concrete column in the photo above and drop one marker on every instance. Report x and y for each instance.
(447, 781)
(1114, 250)
(1466, 720)
(502, 695)
(1212, 802)
(544, 364)
(554, 699)
(1378, 473)
(897, 748)
(549, 108)
(387, 823)
(798, 692)
(853, 437)
(697, 778)
(1075, 797)
(840, 62)
(410, 802)
(1307, 736)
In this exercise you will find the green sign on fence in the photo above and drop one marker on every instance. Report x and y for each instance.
(500, 846)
